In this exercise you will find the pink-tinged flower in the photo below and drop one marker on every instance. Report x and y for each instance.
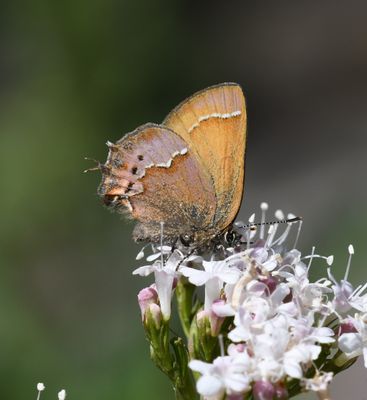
(310, 296)
(281, 392)
(226, 375)
(216, 320)
(164, 279)
(270, 282)
(214, 275)
(256, 311)
(345, 296)
(354, 344)
(346, 326)
(302, 330)
(263, 390)
(342, 294)
(146, 297)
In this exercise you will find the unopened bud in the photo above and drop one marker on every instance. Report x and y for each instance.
(202, 319)
(146, 297)
(263, 390)
(281, 392)
(215, 320)
(234, 397)
(153, 315)
(347, 327)
(271, 283)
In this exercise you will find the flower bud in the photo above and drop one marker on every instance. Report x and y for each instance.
(40, 387)
(271, 283)
(203, 321)
(216, 321)
(346, 327)
(263, 390)
(146, 297)
(234, 397)
(201, 341)
(153, 315)
(281, 392)
(240, 347)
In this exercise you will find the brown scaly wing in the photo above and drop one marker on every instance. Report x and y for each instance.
(213, 124)
(153, 175)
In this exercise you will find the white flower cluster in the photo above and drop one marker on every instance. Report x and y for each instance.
(282, 329)
(41, 387)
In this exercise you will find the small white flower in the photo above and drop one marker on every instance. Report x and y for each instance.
(354, 344)
(299, 355)
(268, 349)
(225, 375)
(40, 387)
(214, 275)
(61, 395)
(302, 330)
(309, 295)
(342, 294)
(319, 383)
(164, 278)
(162, 250)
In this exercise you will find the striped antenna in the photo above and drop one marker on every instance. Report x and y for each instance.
(282, 221)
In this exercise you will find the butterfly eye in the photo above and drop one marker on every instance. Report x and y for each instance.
(186, 240)
(229, 237)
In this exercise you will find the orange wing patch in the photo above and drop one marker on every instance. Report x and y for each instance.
(213, 124)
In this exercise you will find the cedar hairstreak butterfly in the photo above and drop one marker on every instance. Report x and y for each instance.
(187, 172)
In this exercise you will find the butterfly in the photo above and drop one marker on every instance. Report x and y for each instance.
(187, 172)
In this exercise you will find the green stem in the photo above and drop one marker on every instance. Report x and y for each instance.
(184, 294)
(171, 356)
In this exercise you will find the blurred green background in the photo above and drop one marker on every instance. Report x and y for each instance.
(74, 74)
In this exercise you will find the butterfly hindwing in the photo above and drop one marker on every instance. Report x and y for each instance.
(153, 174)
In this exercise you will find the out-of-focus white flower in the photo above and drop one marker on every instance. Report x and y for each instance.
(41, 387)
(61, 395)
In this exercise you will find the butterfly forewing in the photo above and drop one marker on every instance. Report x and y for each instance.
(213, 124)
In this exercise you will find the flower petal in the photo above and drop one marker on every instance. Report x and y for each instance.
(209, 385)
